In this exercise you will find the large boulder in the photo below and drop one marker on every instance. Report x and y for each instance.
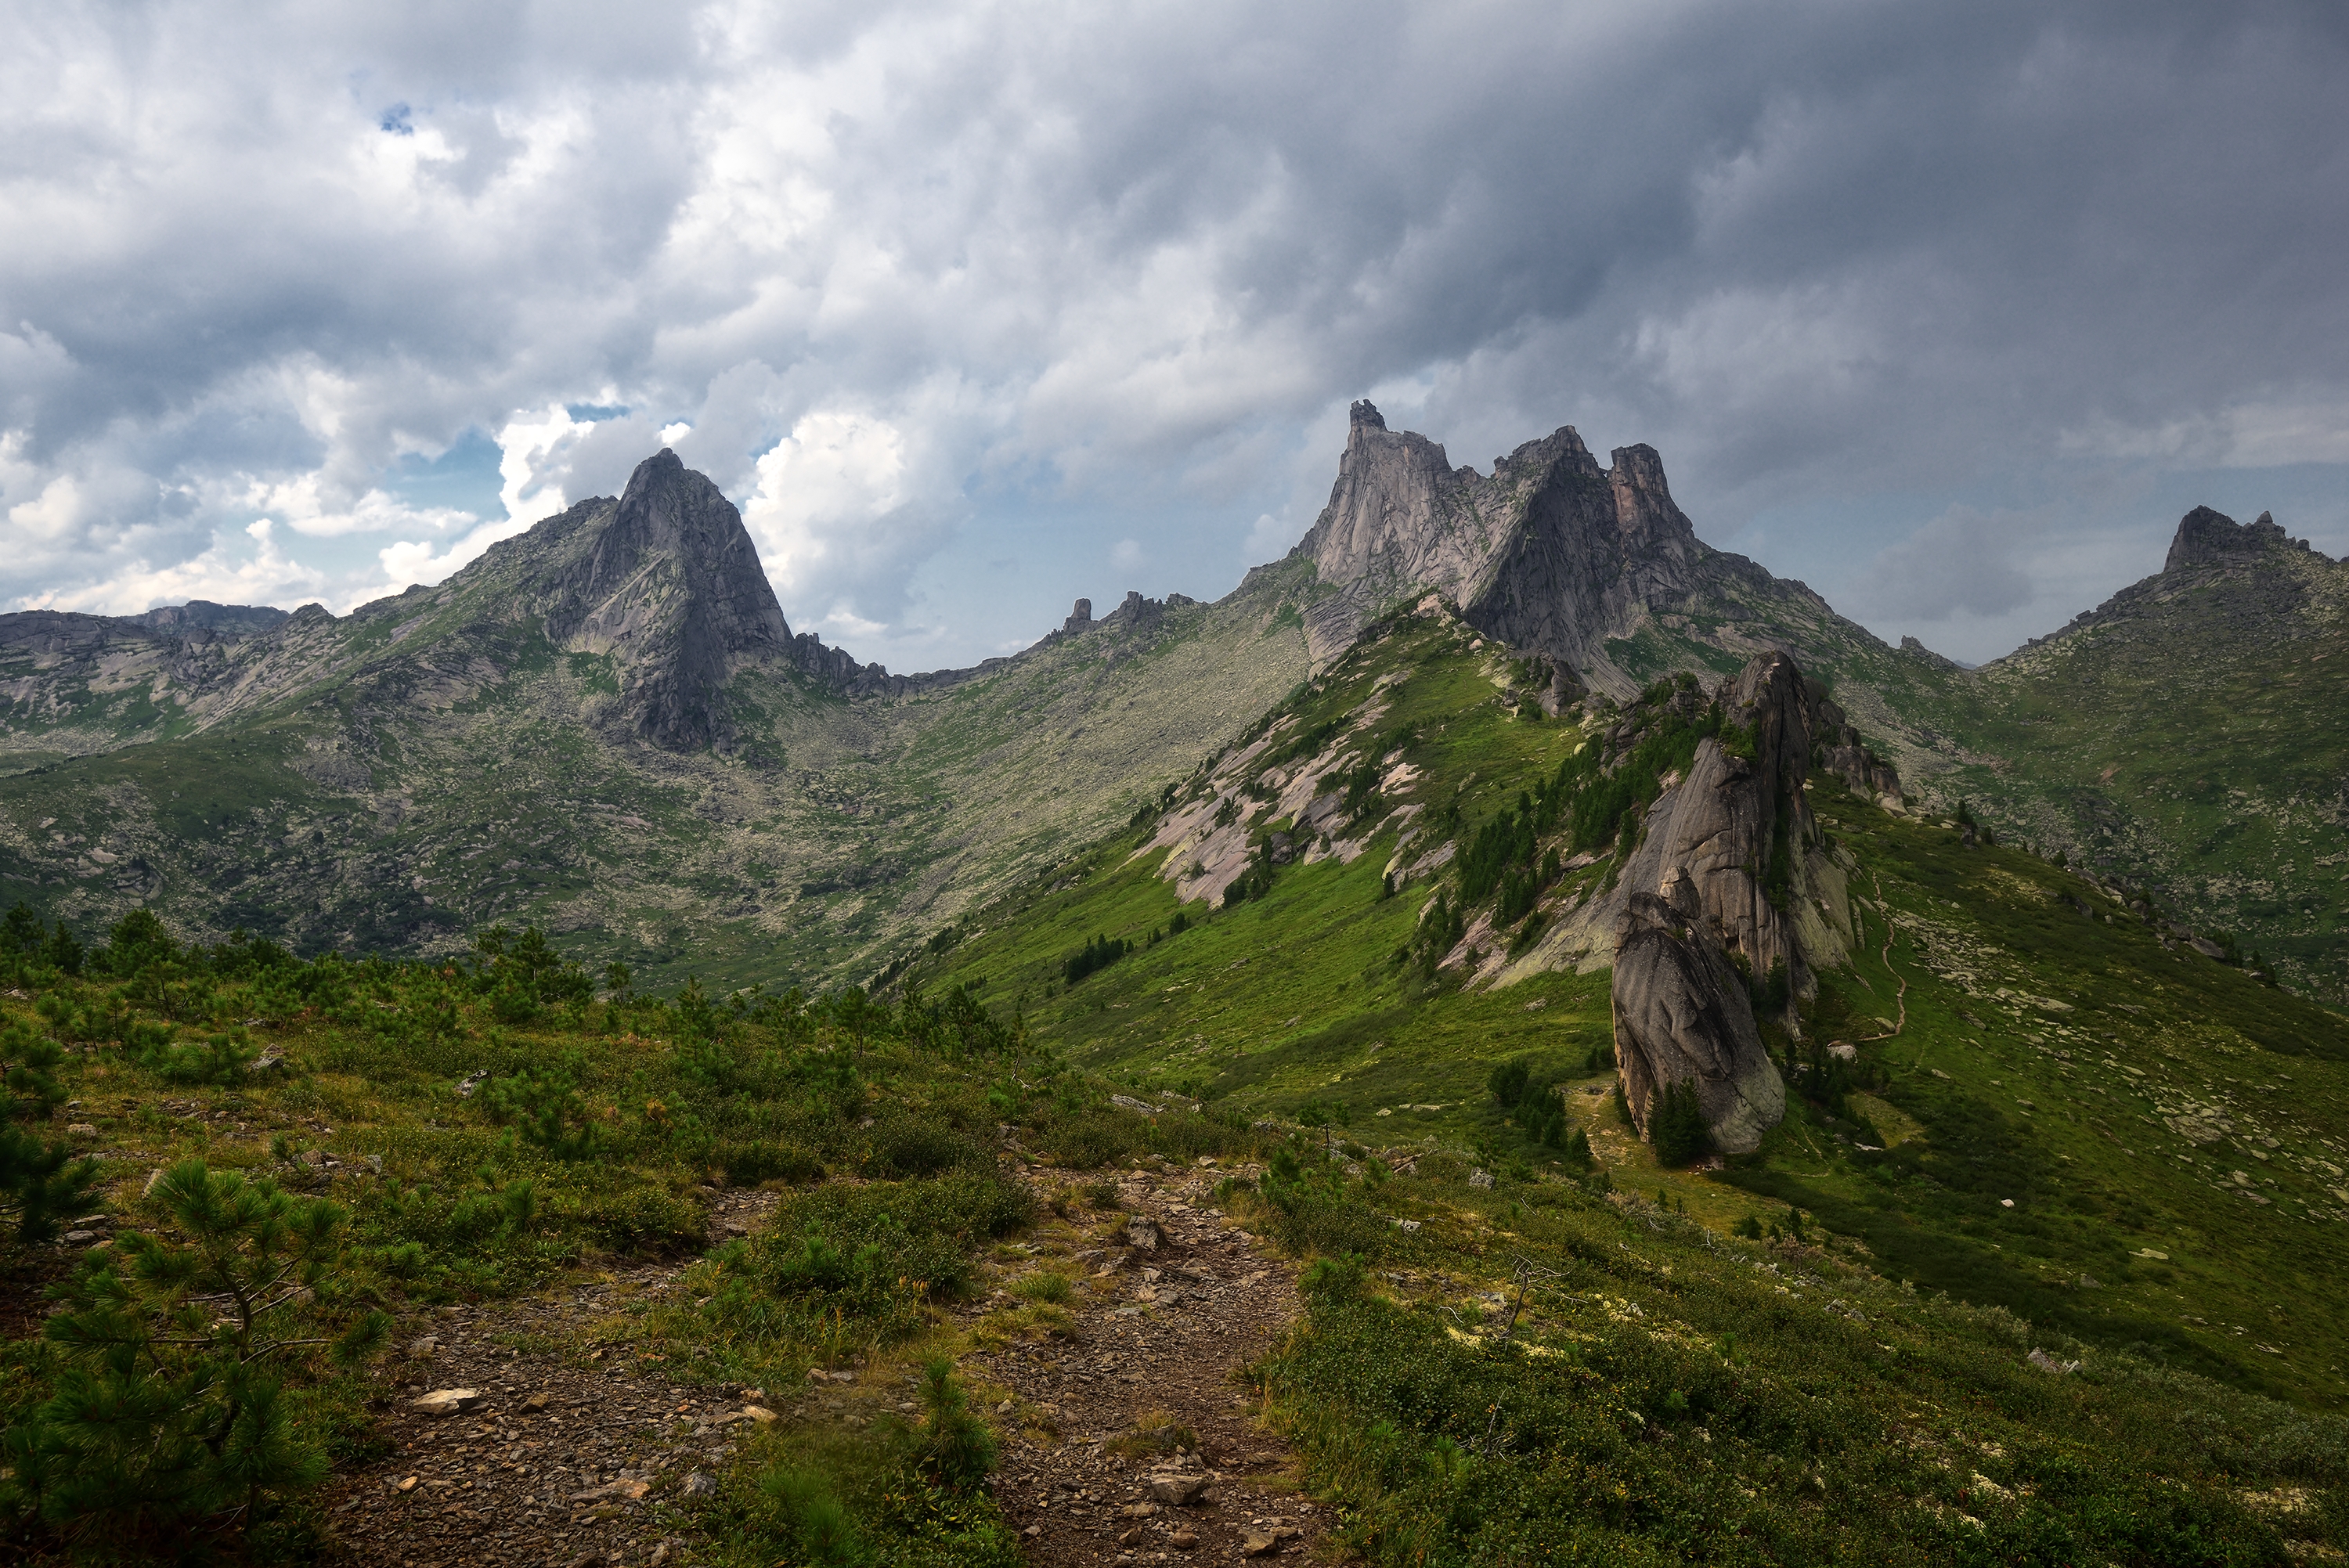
(1737, 827)
(1683, 1015)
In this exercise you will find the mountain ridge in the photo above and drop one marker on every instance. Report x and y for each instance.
(636, 638)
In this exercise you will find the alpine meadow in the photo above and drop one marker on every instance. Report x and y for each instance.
(1513, 1036)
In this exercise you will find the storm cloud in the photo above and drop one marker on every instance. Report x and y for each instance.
(976, 308)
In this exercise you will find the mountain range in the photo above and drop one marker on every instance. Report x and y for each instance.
(607, 726)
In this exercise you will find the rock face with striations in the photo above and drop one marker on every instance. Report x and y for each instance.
(669, 585)
(1731, 879)
(1683, 1015)
(1551, 554)
(1739, 832)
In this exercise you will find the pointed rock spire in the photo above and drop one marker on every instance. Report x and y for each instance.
(671, 587)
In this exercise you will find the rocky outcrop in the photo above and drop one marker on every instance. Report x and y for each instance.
(1551, 554)
(2208, 537)
(2270, 574)
(203, 615)
(1682, 1016)
(1736, 829)
(1839, 749)
(1078, 618)
(668, 584)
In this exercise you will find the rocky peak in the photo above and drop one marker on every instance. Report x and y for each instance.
(1551, 553)
(668, 582)
(2208, 538)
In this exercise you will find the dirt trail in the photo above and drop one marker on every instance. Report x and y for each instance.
(1160, 1330)
(567, 1463)
(564, 1461)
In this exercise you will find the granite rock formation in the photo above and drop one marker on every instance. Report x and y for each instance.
(1683, 1015)
(1550, 554)
(1739, 832)
(668, 582)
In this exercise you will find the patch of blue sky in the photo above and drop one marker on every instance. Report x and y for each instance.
(464, 478)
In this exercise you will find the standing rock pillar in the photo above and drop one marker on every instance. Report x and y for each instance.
(1683, 1015)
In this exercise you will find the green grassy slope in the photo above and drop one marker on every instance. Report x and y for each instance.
(444, 767)
(1552, 1368)
(2188, 737)
(2106, 1079)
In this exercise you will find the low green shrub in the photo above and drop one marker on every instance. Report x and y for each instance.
(41, 1183)
(168, 1418)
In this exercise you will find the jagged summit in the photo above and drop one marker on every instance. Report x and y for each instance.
(1551, 552)
(2208, 537)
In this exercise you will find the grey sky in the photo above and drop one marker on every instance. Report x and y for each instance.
(1949, 311)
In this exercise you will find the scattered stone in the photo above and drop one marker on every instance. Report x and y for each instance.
(758, 1413)
(449, 1401)
(1175, 1488)
(1183, 1539)
(1480, 1179)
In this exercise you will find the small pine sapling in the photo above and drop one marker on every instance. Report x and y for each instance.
(169, 1415)
(41, 1183)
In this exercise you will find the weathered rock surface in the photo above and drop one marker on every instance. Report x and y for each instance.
(668, 584)
(1681, 1015)
(1739, 832)
(1550, 554)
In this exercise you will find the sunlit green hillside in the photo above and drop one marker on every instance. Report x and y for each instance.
(2056, 1106)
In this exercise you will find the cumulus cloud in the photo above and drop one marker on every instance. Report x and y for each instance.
(889, 274)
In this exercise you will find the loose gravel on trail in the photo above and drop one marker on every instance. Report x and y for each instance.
(569, 1462)
(1161, 1335)
(563, 1461)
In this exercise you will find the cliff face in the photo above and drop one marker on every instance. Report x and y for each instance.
(668, 582)
(1550, 552)
(1732, 862)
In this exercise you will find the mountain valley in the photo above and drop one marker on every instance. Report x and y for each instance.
(1658, 1073)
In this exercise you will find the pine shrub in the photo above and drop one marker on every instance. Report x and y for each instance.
(169, 1417)
(41, 1183)
(1676, 1125)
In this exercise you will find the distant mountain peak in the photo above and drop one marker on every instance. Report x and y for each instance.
(667, 581)
(2208, 538)
(1550, 552)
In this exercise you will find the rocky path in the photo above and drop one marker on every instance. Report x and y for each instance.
(1127, 1436)
(1131, 1440)
(561, 1459)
